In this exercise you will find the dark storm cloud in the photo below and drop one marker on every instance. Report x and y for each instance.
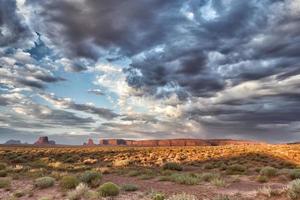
(12, 29)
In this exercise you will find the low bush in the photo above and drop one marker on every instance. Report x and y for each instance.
(5, 183)
(293, 189)
(69, 182)
(92, 178)
(134, 173)
(3, 173)
(268, 171)
(130, 187)
(294, 174)
(185, 179)
(235, 169)
(44, 182)
(108, 189)
(262, 179)
(2, 166)
(172, 166)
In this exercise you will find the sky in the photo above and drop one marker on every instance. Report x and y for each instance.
(149, 69)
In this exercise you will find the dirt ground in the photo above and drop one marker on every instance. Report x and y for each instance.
(243, 189)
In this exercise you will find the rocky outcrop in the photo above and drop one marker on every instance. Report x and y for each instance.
(90, 142)
(174, 142)
(44, 141)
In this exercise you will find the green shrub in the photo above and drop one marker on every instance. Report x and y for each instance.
(164, 178)
(5, 183)
(44, 182)
(182, 196)
(108, 189)
(3, 173)
(69, 182)
(262, 179)
(235, 169)
(293, 189)
(172, 166)
(295, 174)
(185, 179)
(268, 171)
(91, 178)
(130, 187)
(2, 166)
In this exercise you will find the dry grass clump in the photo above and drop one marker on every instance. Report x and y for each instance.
(293, 189)
(186, 179)
(79, 192)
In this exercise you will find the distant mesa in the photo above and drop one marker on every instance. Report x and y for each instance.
(175, 142)
(90, 142)
(44, 141)
(13, 142)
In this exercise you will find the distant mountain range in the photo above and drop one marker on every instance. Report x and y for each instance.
(44, 141)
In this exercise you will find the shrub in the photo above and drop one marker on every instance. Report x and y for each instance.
(185, 179)
(69, 182)
(207, 177)
(172, 166)
(182, 196)
(235, 169)
(91, 178)
(130, 187)
(293, 189)
(2, 166)
(5, 183)
(164, 178)
(295, 174)
(108, 189)
(262, 179)
(3, 173)
(268, 171)
(44, 182)
(76, 194)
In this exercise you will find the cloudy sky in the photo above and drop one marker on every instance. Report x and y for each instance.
(74, 69)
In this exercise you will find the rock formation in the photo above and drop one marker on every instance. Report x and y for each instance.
(90, 142)
(13, 142)
(174, 142)
(44, 141)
